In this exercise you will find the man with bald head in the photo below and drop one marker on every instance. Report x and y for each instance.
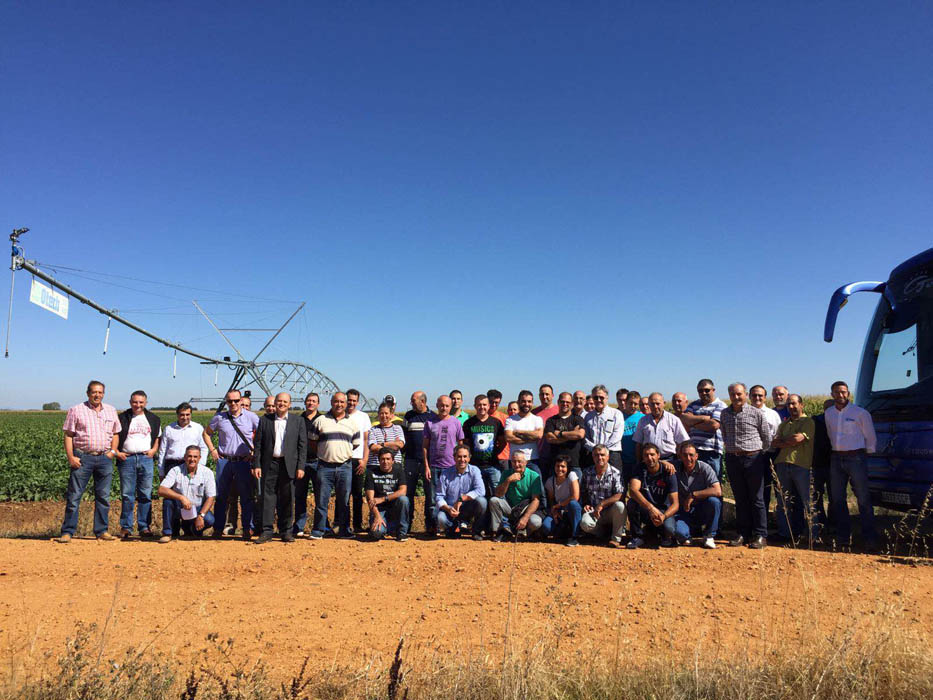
(332, 437)
(280, 449)
(413, 427)
(659, 428)
(441, 437)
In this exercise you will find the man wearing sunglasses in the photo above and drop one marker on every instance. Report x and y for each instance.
(604, 425)
(701, 419)
(235, 428)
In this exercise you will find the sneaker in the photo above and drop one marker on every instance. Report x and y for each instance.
(709, 543)
(300, 533)
(106, 537)
(229, 530)
(63, 539)
(165, 539)
(572, 542)
(346, 535)
(686, 542)
(402, 538)
(635, 543)
(315, 536)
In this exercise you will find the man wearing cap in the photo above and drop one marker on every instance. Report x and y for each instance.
(389, 401)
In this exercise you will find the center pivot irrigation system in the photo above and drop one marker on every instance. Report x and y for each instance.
(296, 378)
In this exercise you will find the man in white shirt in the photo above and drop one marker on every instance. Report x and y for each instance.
(137, 444)
(177, 436)
(524, 430)
(661, 428)
(360, 457)
(190, 491)
(852, 437)
(604, 425)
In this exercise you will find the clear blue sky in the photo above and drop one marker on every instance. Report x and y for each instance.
(467, 194)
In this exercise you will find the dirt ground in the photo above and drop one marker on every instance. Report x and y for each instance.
(345, 602)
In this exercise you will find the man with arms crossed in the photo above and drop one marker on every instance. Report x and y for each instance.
(524, 430)
(90, 431)
(386, 496)
(187, 492)
(701, 419)
(564, 432)
(137, 444)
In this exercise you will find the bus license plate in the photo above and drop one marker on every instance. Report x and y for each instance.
(901, 499)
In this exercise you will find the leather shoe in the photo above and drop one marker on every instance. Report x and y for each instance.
(758, 543)
(264, 537)
(737, 542)
(288, 537)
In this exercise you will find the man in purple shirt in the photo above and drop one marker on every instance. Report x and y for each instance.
(235, 427)
(441, 437)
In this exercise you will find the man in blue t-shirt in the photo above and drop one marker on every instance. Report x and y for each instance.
(654, 492)
(413, 426)
(632, 416)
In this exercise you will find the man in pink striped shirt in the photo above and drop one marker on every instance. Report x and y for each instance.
(91, 430)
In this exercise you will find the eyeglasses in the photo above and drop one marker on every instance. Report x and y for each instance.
(706, 390)
(233, 400)
(599, 398)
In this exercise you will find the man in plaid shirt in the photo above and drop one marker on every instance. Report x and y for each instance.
(603, 509)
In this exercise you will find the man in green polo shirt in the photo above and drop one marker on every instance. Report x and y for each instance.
(514, 508)
(793, 466)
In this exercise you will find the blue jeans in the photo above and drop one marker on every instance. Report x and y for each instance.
(567, 525)
(301, 496)
(843, 469)
(414, 470)
(135, 483)
(795, 503)
(472, 511)
(172, 522)
(332, 476)
(229, 471)
(747, 477)
(702, 518)
(397, 515)
(714, 459)
(101, 468)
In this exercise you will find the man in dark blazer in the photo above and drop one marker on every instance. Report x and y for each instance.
(279, 452)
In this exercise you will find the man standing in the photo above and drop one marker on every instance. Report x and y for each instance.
(176, 438)
(413, 427)
(485, 437)
(604, 425)
(757, 396)
(524, 430)
(746, 436)
(333, 437)
(137, 444)
(546, 408)
(235, 428)
(268, 406)
(456, 406)
(312, 401)
(360, 456)
(601, 495)
(441, 436)
(678, 403)
(564, 432)
(90, 430)
(621, 398)
(280, 455)
(495, 398)
(656, 500)
(389, 401)
(780, 395)
(460, 499)
(659, 428)
(514, 508)
(793, 464)
(187, 492)
(632, 417)
(699, 497)
(852, 436)
(701, 419)
(387, 497)
(579, 403)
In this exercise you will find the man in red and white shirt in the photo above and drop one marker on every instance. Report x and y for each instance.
(137, 444)
(91, 429)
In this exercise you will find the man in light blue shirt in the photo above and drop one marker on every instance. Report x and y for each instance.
(632, 416)
(460, 496)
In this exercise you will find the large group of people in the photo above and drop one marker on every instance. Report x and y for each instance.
(563, 470)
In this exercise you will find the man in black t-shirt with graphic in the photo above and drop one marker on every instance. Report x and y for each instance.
(654, 499)
(386, 497)
(564, 432)
(485, 436)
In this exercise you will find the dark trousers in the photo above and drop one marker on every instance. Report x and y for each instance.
(746, 475)
(823, 515)
(278, 494)
(301, 496)
(356, 491)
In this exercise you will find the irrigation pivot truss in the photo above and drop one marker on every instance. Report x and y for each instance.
(297, 378)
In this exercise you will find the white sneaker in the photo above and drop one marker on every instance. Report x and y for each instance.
(635, 543)
(229, 530)
(709, 543)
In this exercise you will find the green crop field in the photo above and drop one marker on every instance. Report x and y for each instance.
(32, 459)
